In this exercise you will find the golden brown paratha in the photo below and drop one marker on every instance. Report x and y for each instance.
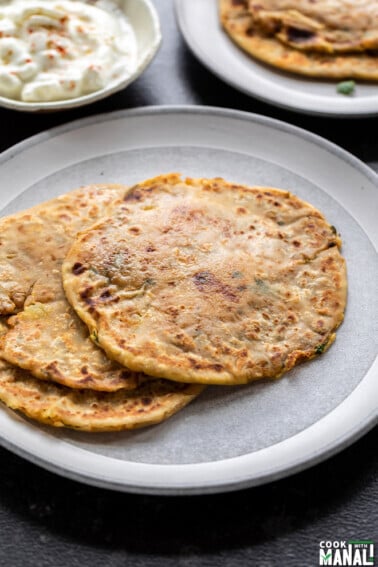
(206, 281)
(33, 240)
(329, 38)
(45, 336)
(150, 403)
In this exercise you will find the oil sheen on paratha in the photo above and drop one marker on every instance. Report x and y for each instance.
(45, 336)
(53, 404)
(327, 38)
(206, 281)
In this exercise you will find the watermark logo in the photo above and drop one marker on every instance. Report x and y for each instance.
(345, 553)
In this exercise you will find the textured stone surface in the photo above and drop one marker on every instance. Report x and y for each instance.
(49, 521)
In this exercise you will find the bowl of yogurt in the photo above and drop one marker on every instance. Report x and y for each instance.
(60, 54)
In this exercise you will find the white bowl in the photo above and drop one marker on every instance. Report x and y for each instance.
(144, 20)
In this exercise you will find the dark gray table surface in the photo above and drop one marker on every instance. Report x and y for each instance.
(46, 520)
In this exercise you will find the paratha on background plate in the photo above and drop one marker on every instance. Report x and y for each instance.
(44, 335)
(206, 281)
(324, 38)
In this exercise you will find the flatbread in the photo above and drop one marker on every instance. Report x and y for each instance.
(52, 404)
(328, 26)
(207, 281)
(33, 240)
(45, 336)
(300, 37)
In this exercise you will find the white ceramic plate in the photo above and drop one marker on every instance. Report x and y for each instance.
(199, 24)
(144, 20)
(229, 437)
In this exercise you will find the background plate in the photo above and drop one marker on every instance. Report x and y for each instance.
(199, 24)
(229, 437)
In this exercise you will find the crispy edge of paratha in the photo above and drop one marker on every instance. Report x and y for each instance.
(238, 24)
(58, 406)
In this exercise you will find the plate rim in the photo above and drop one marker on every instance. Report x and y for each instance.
(243, 115)
(218, 72)
(349, 435)
(268, 476)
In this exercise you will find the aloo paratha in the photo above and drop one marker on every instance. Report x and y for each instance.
(206, 281)
(52, 404)
(45, 336)
(330, 39)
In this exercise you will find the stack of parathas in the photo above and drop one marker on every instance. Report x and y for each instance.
(319, 38)
(51, 370)
(171, 285)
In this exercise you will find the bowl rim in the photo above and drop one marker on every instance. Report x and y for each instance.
(95, 96)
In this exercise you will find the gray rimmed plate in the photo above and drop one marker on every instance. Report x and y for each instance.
(228, 438)
(200, 27)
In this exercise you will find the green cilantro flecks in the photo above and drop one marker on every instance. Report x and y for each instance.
(94, 336)
(346, 87)
(320, 348)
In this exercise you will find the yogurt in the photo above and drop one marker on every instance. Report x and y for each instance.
(54, 50)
